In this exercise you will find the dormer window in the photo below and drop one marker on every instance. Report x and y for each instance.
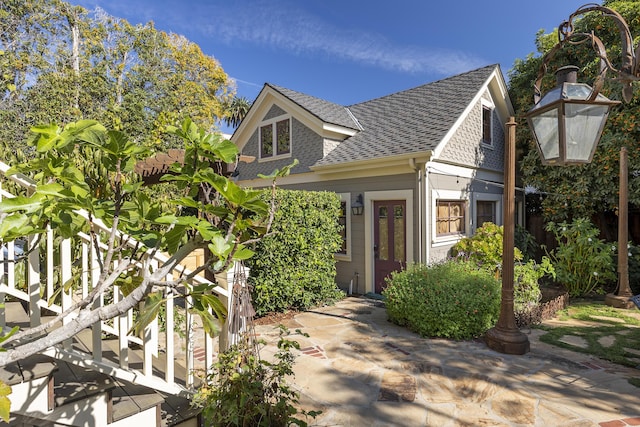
(275, 138)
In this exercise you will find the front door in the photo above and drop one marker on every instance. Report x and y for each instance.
(390, 234)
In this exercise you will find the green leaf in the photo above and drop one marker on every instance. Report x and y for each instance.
(21, 203)
(278, 173)
(207, 231)
(3, 338)
(128, 284)
(179, 220)
(187, 202)
(209, 322)
(5, 403)
(227, 151)
(174, 238)
(14, 226)
(219, 246)
(53, 189)
(215, 304)
(243, 253)
(149, 311)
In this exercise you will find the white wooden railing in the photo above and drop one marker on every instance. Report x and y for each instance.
(34, 279)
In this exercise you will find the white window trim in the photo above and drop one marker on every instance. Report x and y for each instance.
(487, 197)
(490, 106)
(448, 195)
(273, 122)
(346, 197)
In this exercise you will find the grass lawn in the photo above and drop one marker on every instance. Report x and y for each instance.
(594, 328)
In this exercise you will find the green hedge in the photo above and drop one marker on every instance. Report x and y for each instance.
(454, 299)
(294, 267)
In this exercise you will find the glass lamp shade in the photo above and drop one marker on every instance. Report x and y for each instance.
(567, 126)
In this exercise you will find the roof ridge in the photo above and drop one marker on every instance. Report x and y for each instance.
(457, 76)
(355, 119)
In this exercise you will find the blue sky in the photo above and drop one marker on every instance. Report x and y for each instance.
(348, 51)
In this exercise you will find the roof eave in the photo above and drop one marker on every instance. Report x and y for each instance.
(408, 160)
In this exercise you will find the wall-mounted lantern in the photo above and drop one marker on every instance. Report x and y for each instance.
(357, 207)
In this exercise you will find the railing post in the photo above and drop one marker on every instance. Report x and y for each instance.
(189, 341)
(33, 279)
(96, 328)
(65, 276)
(169, 370)
(226, 281)
(49, 263)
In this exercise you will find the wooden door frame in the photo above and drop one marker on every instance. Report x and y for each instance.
(369, 223)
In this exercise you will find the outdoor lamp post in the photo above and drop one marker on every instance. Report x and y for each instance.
(567, 124)
(628, 72)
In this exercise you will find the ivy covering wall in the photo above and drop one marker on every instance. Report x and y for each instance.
(294, 267)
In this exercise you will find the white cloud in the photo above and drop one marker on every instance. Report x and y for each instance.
(284, 26)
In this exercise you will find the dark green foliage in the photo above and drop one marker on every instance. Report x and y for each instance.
(455, 299)
(244, 390)
(582, 261)
(294, 267)
(582, 190)
(634, 268)
(485, 249)
(526, 243)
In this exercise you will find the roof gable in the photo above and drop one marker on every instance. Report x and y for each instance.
(326, 111)
(412, 121)
(324, 117)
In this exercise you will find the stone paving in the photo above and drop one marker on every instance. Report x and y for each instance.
(361, 370)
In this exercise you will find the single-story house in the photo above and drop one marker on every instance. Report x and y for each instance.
(416, 170)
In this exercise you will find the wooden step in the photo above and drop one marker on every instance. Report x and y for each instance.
(33, 367)
(177, 411)
(71, 384)
(130, 399)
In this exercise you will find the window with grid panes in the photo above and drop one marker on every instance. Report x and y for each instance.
(450, 217)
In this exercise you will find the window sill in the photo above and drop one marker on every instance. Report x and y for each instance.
(488, 145)
(447, 240)
(342, 257)
(272, 158)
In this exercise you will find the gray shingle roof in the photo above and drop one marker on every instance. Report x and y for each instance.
(411, 121)
(326, 111)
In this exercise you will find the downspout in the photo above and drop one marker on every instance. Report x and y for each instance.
(427, 216)
(421, 180)
(418, 198)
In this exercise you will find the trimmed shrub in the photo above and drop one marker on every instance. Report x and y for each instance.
(294, 267)
(455, 299)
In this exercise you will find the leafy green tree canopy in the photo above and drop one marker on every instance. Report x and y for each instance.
(63, 200)
(581, 191)
(61, 63)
